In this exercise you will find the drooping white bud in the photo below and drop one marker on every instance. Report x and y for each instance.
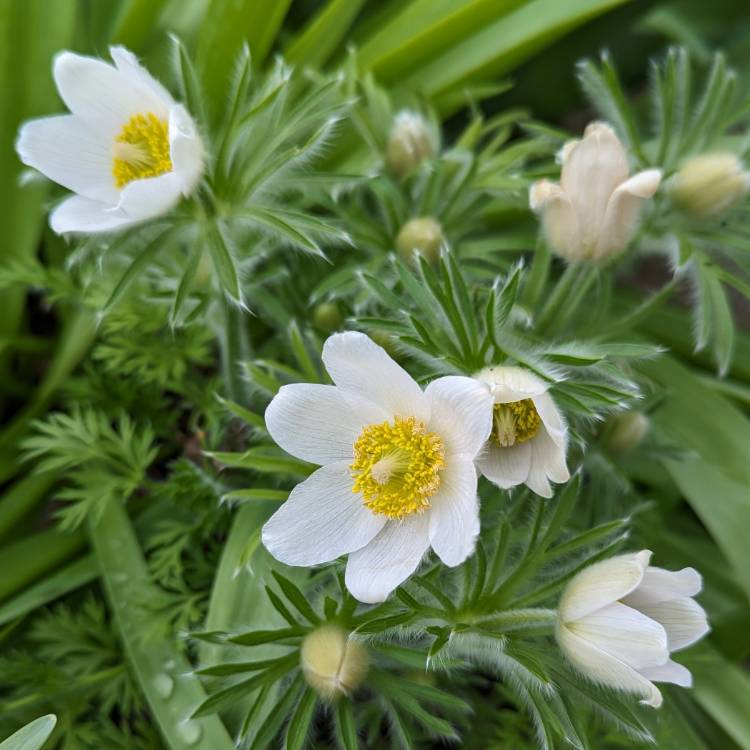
(709, 184)
(423, 236)
(333, 662)
(594, 212)
(620, 619)
(409, 143)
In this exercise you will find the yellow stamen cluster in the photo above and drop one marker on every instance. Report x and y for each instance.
(141, 150)
(397, 467)
(515, 422)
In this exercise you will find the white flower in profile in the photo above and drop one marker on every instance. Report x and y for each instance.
(397, 469)
(127, 149)
(593, 213)
(529, 438)
(619, 620)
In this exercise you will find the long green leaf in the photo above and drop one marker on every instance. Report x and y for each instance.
(32, 736)
(162, 671)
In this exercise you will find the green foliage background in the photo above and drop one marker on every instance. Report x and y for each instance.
(136, 602)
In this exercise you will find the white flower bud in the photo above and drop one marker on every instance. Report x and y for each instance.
(620, 619)
(423, 236)
(625, 432)
(333, 662)
(409, 143)
(593, 213)
(707, 185)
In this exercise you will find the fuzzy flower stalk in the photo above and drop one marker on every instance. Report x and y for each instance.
(593, 213)
(397, 469)
(127, 150)
(529, 439)
(619, 621)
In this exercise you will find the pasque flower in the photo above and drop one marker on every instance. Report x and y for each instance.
(333, 662)
(620, 619)
(127, 150)
(593, 213)
(397, 469)
(529, 439)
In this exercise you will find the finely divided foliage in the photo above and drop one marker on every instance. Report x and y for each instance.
(353, 432)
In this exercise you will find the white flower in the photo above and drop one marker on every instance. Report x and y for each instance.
(620, 619)
(593, 213)
(397, 469)
(128, 150)
(529, 438)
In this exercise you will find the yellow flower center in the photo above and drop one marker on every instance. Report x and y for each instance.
(397, 467)
(516, 422)
(141, 150)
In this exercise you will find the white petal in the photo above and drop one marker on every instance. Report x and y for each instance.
(593, 169)
(186, 149)
(659, 585)
(624, 210)
(102, 96)
(460, 412)
(626, 634)
(669, 672)
(358, 365)
(684, 620)
(316, 423)
(605, 668)
(508, 384)
(454, 511)
(141, 200)
(77, 214)
(127, 63)
(69, 153)
(601, 584)
(388, 560)
(506, 467)
(547, 462)
(559, 218)
(321, 520)
(552, 419)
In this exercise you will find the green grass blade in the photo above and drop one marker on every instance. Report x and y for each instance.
(163, 672)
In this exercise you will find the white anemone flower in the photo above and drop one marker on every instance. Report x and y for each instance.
(529, 438)
(620, 619)
(593, 213)
(127, 150)
(397, 469)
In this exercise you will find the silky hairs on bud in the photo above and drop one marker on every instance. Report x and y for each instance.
(333, 663)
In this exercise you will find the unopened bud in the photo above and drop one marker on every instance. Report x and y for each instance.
(409, 144)
(625, 432)
(707, 185)
(423, 236)
(334, 663)
(327, 317)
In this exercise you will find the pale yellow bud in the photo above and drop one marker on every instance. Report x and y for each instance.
(625, 432)
(334, 663)
(423, 236)
(707, 185)
(409, 144)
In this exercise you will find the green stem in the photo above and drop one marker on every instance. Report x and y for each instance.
(538, 274)
(235, 348)
(165, 676)
(565, 284)
(516, 619)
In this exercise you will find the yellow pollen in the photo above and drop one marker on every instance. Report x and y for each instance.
(515, 422)
(141, 150)
(397, 467)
